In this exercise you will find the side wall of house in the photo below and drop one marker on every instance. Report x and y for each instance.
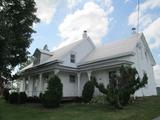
(69, 88)
(143, 65)
(102, 76)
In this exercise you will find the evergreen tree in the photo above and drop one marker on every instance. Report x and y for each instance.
(122, 86)
(88, 91)
(52, 97)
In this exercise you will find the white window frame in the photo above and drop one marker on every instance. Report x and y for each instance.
(72, 58)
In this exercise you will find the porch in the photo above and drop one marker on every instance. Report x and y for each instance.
(73, 79)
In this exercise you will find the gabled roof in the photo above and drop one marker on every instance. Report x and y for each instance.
(56, 54)
(42, 51)
(59, 53)
(27, 67)
(106, 52)
(114, 49)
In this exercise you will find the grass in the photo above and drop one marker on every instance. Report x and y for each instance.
(144, 109)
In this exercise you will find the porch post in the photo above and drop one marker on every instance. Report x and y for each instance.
(78, 82)
(40, 83)
(56, 71)
(89, 75)
(22, 85)
(30, 86)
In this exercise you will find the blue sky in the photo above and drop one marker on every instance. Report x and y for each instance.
(63, 21)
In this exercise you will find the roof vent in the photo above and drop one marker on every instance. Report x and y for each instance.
(84, 34)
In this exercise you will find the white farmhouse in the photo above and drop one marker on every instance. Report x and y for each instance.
(77, 62)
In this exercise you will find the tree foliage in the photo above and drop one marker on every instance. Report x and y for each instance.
(122, 86)
(28, 62)
(16, 21)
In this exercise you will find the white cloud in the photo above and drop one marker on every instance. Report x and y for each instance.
(149, 4)
(144, 21)
(73, 3)
(46, 10)
(143, 15)
(91, 18)
(153, 31)
(108, 5)
(147, 23)
(157, 74)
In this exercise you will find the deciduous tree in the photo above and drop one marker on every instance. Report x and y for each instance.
(16, 20)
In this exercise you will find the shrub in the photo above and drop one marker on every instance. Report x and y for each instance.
(41, 97)
(6, 94)
(52, 97)
(33, 99)
(99, 99)
(13, 98)
(22, 98)
(88, 91)
(122, 86)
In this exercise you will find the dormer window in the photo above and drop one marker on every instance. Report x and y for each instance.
(36, 59)
(72, 58)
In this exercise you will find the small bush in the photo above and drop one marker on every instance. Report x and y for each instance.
(22, 98)
(13, 98)
(99, 99)
(41, 97)
(6, 94)
(52, 97)
(33, 99)
(88, 91)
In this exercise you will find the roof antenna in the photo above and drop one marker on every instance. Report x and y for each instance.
(134, 30)
(138, 17)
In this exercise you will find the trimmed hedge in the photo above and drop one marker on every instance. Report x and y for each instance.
(22, 98)
(16, 98)
(13, 98)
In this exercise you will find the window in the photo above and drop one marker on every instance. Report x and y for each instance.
(72, 58)
(112, 76)
(147, 57)
(72, 78)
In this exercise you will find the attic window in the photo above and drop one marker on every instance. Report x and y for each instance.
(72, 58)
(146, 56)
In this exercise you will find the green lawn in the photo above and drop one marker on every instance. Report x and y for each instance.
(145, 109)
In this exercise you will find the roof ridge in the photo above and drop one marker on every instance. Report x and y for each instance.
(123, 40)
